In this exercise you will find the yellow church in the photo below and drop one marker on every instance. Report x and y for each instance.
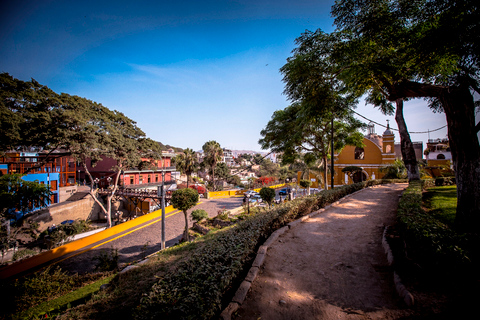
(378, 151)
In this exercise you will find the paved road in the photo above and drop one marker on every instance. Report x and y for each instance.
(147, 240)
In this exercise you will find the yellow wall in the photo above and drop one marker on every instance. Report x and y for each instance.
(373, 160)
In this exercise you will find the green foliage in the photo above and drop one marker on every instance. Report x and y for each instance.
(186, 163)
(63, 232)
(267, 195)
(184, 199)
(213, 154)
(22, 254)
(196, 288)
(40, 287)
(396, 170)
(305, 183)
(199, 215)
(107, 260)
(431, 241)
(16, 193)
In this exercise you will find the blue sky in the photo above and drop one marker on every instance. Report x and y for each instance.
(186, 71)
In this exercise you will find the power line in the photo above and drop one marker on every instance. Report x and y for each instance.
(416, 132)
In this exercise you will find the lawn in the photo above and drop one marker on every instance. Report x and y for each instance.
(441, 202)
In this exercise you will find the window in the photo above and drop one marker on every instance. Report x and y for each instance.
(388, 148)
(441, 156)
(359, 153)
(131, 180)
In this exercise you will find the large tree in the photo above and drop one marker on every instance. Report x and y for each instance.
(46, 120)
(398, 50)
(213, 155)
(294, 130)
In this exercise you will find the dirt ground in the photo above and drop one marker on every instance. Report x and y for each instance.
(332, 266)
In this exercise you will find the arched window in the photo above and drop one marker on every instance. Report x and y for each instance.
(388, 148)
(359, 153)
(441, 156)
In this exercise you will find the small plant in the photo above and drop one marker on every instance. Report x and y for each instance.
(107, 261)
(223, 214)
(199, 215)
(144, 249)
(22, 254)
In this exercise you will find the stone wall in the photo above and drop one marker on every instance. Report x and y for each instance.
(83, 209)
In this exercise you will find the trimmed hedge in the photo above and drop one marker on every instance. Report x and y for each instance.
(200, 283)
(429, 241)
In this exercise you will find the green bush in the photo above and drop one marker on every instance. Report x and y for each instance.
(107, 260)
(267, 195)
(432, 243)
(196, 288)
(199, 215)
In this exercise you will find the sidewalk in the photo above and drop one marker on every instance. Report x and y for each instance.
(331, 266)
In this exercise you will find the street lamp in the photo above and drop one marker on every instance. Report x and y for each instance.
(248, 202)
(109, 179)
(96, 181)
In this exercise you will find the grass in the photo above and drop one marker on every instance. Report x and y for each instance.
(56, 306)
(441, 202)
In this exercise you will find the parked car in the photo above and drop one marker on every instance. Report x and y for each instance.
(283, 192)
(251, 193)
(256, 198)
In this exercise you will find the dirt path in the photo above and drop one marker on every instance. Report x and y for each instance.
(332, 266)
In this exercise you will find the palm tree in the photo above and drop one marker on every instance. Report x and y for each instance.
(186, 163)
(213, 155)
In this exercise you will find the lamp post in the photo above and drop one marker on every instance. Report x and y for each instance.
(248, 202)
(95, 183)
(109, 179)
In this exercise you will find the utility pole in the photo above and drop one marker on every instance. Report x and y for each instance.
(332, 160)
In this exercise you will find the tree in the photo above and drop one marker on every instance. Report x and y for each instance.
(396, 170)
(397, 50)
(21, 195)
(306, 185)
(184, 199)
(186, 163)
(213, 155)
(267, 195)
(295, 130)
(88, 130)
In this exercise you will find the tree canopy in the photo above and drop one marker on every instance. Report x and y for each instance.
(394, 50)
(35, 116)
(185, 199)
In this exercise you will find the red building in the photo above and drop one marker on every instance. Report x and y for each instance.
(149, 173)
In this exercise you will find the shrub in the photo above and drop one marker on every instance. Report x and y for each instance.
(267, 195)
(429, 241)
(107, 260)
(199, 215)
(196, 288)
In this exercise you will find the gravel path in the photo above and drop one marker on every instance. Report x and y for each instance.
(145, 241)
(332, 266)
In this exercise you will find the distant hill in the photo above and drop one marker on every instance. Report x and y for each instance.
(167, 146)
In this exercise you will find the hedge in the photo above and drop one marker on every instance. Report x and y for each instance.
(200, 283)
(432, 243)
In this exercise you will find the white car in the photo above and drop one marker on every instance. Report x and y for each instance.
(251, 193)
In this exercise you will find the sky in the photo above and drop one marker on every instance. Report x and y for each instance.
(186, 71)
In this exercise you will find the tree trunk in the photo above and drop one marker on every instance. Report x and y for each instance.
(459, 109)
(325, 172)
(408, 152)
(185, 232)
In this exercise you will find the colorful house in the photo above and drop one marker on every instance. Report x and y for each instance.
(58, 170)
(150, 175)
